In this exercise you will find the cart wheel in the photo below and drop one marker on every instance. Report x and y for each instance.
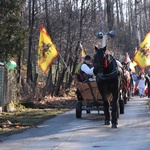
(78, 109)
(121, 102)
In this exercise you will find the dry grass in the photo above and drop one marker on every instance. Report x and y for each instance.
(13, 122)
(42, 110)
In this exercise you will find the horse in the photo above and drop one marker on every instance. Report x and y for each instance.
(109, 75)
(127, 82)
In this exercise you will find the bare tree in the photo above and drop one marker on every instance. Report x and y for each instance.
(71, 22)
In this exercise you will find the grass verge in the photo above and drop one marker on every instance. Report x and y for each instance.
(11, 123)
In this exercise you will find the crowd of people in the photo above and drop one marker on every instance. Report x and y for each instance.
(142, 84)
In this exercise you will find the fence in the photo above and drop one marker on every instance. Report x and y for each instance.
(2, 72)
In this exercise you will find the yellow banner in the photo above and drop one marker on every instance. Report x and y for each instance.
(134, 63)
(47, 51)
(83, 53)
(131, 66)
(142, 55)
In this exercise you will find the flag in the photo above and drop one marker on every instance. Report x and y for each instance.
(78, 67)
(131, 66)
(47, 51)
(142, 55)
(134, 63)
(83, 53)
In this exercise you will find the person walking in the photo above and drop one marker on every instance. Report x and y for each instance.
(141, 72)
(141, 86)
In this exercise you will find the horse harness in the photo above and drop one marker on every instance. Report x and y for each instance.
(105, 64)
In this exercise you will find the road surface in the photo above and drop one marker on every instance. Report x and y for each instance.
(65, 132)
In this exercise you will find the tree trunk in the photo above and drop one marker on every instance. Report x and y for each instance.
(137, 15)
(31, 25)
(110, 16)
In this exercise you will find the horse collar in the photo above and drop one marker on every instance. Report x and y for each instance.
(111, 75)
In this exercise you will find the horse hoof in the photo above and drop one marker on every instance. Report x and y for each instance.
(114, 126)
(107, 122)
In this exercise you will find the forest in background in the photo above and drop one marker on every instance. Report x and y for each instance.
(69, 23)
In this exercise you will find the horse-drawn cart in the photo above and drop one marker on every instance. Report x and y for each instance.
(89, 98)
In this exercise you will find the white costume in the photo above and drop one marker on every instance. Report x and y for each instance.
(141, 86)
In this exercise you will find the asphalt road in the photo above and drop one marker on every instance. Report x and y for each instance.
(65, 132)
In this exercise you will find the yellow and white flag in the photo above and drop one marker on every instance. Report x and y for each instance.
(47, 51)
(142, 55)
(83, 53)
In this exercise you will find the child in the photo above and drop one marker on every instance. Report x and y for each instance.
(141, 85)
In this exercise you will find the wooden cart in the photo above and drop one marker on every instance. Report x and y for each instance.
(89, 98)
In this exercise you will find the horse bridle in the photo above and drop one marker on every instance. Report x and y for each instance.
(101, 66)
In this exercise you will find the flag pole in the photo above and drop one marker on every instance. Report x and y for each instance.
(65, 65)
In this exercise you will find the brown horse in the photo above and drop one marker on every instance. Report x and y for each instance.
(127, 82)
